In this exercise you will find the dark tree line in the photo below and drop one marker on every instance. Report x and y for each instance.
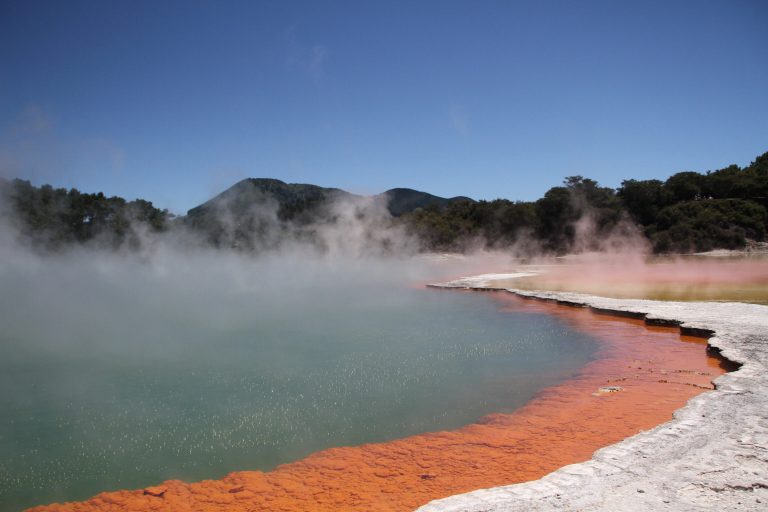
(690, 211)
(697, 212)
(53, 218)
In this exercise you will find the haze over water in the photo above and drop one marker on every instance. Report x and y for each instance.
(119, 372)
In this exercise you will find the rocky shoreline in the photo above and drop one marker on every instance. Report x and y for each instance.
(713, 455)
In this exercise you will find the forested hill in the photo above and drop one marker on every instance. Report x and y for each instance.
(251, 214)
(690, 211)
(295, 199)
(260, 212)
(401, 201)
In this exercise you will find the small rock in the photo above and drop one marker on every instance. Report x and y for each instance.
(157, 491)
(427, 476)
(239, 488)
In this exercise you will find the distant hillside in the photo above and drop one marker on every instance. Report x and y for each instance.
(291, 199)
(405, 200)
(249, 213)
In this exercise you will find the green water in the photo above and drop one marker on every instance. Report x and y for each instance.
(122, 384)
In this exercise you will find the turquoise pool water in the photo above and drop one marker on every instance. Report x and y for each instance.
(124, 381)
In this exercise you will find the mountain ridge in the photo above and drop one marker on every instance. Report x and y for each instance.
(399, 200)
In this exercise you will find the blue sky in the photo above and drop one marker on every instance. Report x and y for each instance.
(175, 101)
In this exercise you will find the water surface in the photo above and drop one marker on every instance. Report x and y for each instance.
(124, 382)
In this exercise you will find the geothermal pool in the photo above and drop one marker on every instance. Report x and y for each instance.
(117, 378)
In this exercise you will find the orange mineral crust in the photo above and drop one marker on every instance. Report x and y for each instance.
(640, 376)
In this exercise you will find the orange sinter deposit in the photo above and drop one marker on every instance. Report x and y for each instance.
(640, 376)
